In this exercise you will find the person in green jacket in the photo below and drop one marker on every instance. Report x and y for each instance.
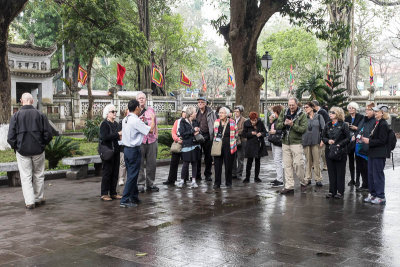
(293, 123)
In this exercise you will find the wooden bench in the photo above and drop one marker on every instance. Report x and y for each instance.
(79, 166)
(12, 173)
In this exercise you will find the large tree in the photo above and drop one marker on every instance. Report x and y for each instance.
(96, 28)
(8, 11)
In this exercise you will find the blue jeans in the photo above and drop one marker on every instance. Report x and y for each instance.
(376, 177)
(132, 157)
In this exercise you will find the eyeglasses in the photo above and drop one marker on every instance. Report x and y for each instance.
(113, 111)
(332, 112)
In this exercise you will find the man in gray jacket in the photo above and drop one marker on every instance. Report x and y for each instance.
(205, 117)
(28, 135)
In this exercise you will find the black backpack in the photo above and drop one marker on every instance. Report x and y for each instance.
(391, 144)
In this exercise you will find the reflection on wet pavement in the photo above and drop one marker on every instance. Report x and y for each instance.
(248, 225)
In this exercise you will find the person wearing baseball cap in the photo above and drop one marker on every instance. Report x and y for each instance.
(377, 156)
(205, 117)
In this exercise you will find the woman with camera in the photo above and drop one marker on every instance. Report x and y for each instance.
(188, 129)
(254, 130)
(275, 138)
(225, 131)
(311, 143)
(336, 136)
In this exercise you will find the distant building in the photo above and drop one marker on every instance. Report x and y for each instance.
(31, 72)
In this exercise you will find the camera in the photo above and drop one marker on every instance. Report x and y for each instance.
(288, 117)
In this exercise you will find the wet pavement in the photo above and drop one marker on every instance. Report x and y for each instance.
(248, 225)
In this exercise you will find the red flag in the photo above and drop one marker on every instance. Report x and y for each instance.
(120, 74)
(82, 75)
(185, 80)
(204, 82)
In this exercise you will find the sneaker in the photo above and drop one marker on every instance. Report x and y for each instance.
(277, 184)
(247, 180)
(179, 183)
(257, 180)
(378, 201)
(286, 191)
(141, 189)
(329, 195)
(152, 189)
(30, 207)
(369, 198)
(319, 184)
(338, 196)
(273, 182)
(351, 183)
(128, 205)
(194, 184)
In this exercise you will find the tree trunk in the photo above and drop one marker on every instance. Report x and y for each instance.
(241, 34)
(89, 87)
(8, 11)
(144, 25)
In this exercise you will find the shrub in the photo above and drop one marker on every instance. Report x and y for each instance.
(92, 129)
(59, 148)
(165, 138)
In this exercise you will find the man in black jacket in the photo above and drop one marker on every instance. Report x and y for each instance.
(28, 135)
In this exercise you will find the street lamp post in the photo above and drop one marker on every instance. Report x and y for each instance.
(266, 62)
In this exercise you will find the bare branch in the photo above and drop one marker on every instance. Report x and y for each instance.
(385, 3)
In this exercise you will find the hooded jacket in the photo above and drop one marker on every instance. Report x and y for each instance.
(292, 135)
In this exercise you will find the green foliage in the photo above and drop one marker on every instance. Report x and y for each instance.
(92, 129)
(335, 94)
(315, 86)
(295, 47)
(59, 148)
(165, 138)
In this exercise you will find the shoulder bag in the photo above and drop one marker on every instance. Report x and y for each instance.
(176, 147)
(216, 148)
(105, 152)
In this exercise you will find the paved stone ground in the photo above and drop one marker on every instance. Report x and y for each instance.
(248, 225)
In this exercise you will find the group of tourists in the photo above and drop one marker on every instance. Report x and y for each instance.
(302, 139)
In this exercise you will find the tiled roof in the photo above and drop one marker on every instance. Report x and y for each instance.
(52, 73)
(29, 49)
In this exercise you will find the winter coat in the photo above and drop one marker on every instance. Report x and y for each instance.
(255, 146)
(292, 135)
(211, 117)
(378, 140)
(277, 141)
(29, 131)
(109, 134)
(357, 121)
(338, 132)
(186, 132)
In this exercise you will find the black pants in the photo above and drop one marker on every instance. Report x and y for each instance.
(336, 173)
(173, 167)
(185, 170)
(206, 149)
(226, 158)
(362, 167)
(110, 176)
(351, 154)
(249, 164)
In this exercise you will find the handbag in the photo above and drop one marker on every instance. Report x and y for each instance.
(216, 148)
(199, 138)
(176, 147)
(336, 152)
(104, 151)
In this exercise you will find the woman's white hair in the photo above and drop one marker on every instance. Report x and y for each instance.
(227, 111)
(353, 105)
(107, 110)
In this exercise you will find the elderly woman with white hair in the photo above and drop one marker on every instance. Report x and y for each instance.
(354, 120)
(109, 136)
(225, 131)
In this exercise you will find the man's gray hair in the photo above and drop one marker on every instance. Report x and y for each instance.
(294, 98)
(107, 110)
(27, 97)
(139, 94)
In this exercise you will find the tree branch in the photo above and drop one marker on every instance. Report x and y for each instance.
(385, 3)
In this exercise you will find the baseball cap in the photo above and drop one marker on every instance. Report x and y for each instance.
(384, 108)
(202, 98)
